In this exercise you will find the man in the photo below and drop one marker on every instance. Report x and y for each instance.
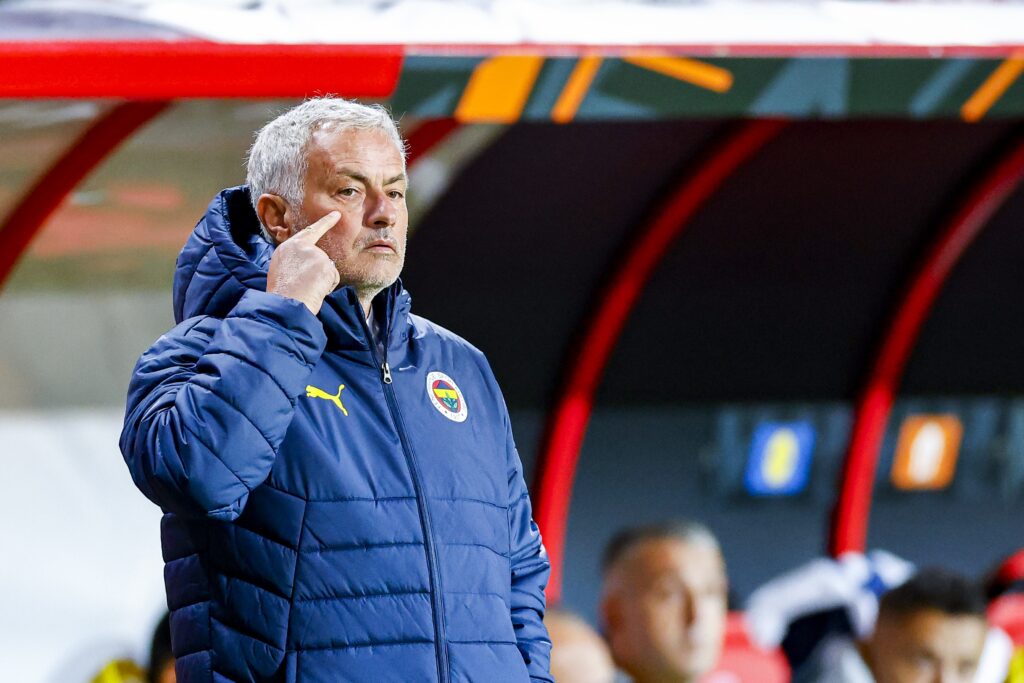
(578, 654)
(343, 498)
(931, 629)
(664, 602)
(161, 661)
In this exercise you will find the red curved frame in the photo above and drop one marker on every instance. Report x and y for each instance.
(46, 194)
(427, 135)
(97, 143)
(850, 521)
(567, 423)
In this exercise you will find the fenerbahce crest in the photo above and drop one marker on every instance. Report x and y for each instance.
(444, 395)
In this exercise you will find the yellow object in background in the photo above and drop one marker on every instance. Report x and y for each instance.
(782, 454)
(1016, 674)
(120, 671)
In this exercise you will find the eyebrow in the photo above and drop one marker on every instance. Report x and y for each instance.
(401, 177)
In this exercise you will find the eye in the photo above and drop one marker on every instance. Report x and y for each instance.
(348, 192)
(967, 669)
(664, 590)
(396, 194)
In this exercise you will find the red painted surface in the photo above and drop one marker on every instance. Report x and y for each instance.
(178, 69)
(427, 135)
(169, 70)
(567, 423)
(29, 215)
(850, 522)
(1007, 612)
(744, 662)
(1010, 571)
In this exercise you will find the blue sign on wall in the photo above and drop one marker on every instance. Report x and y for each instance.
(780, 458)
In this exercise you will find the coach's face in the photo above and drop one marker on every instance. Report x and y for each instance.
(361, 174)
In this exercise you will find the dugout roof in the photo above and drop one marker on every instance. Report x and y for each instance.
(633, 221)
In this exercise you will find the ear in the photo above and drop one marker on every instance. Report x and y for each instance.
(276, 215)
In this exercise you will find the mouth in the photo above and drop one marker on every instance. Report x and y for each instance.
(381, 247)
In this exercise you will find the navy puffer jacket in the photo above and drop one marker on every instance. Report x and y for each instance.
(331, 514)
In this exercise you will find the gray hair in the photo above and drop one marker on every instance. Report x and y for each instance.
(687, 531)
(277, 161)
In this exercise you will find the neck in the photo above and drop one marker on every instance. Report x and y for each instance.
(365, 298)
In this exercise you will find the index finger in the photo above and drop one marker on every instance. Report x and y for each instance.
(314, 231)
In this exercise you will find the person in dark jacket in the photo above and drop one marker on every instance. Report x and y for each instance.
(343, 497)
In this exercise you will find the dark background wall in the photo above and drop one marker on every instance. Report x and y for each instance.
(770, 306)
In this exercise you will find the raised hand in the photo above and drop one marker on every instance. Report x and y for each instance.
(301, 270)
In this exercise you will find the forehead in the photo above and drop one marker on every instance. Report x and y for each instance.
(689, 560)
(367, 150)
(959, 635)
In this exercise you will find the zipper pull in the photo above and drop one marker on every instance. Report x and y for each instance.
(387, 372)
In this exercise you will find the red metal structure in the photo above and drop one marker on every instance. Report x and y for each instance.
(48, 192)
(427, 135)
(97, 143)
(173, 70)
(153, 74)
(849, 530)
(567, 423)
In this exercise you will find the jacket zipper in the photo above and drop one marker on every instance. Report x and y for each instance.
(436, 597)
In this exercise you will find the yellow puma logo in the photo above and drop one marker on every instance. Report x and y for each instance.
(313, 392)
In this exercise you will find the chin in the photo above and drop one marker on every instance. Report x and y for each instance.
(695, 665)
(378, 283)
(701, 668)
(384, 268)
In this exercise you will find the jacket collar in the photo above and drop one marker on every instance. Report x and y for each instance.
(347, 329)
(227, 255)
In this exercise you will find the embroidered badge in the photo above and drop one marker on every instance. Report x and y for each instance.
(313, 392)
(444, 394)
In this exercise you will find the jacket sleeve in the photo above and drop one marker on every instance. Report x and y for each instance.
(530, 571)
(210, 402)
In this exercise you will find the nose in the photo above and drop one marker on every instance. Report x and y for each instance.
(950, 673)
(381, 211)
(689, 608)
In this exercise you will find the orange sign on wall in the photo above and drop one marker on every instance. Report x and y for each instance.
(926, 452)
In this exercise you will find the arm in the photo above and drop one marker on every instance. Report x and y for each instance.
(530, 570)
(209, 404)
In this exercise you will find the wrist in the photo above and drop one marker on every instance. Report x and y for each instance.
(309, 302)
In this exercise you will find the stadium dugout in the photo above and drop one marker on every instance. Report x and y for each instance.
(808, 208)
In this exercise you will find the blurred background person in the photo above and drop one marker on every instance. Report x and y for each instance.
(826, 599)
(664, 601)
(872, 619)
(931, 629)
(578, 653)
(1004, 591)
(161, 659)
